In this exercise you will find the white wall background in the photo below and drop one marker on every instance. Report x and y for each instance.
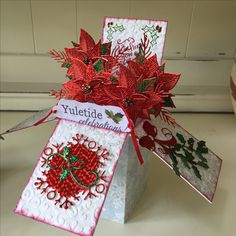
(201, 40)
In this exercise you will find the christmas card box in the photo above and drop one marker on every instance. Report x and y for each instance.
(113, 103)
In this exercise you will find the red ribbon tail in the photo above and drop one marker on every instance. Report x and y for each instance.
(134, 139)
(136, 146)
(44, 118)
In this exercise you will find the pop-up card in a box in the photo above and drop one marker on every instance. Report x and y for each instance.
(116, 93)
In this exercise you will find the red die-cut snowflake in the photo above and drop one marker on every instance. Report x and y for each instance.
(69, 172)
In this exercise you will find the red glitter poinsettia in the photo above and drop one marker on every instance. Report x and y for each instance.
(86, 50)
(85, 80)
(142, 88)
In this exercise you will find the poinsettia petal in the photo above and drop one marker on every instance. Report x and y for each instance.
(106, 48)
(105, 76)
(139, 97)
(152, 65)
(167, 81)
(86, 41)
(127, 79)
(168, 101)
(135, 67)
(90, 73)
(75, 53)
(96, 50)
(95, 82)
(78, 69)
(144, 114)
(72, 89)
(110, 62)
(155, 98)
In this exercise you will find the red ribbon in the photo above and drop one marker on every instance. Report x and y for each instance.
(134, 139)
(130, 124)
(44, 118)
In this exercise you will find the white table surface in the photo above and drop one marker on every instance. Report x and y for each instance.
(168, 207)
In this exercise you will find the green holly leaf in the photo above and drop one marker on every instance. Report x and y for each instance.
(180, 138)
(103, 49)
(116, 120)
(173, 158)
(64, 174)
(188, 155)
(168, 102)
(119, 115)
(140, 56)
(178, 146)
(176, 170)
(162, 68)
(190, 141)
(109, 113)
(196, 171)
(67, 65)
(203, 164)
(144, 85)
(113, 79)
(201, 157)
(152, 111)
(174, 164)
(74, 159)
(75, 44)
(66, 151)
(201, 147)
(185, 161)
(119, 28)
(98, 66)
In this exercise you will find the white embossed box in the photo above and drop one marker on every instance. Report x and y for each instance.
(128, 184)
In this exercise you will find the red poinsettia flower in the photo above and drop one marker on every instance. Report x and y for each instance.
(152, 106)
(86, 50)
(125, 94)
(141, 88)
(147, 69)
(85, 78)
(72, 90)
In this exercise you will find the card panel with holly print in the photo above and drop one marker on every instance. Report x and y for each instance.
(187, 156)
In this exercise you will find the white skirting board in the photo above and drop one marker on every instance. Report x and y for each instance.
(185, 103)
(203, 85)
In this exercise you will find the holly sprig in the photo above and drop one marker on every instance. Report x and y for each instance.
(192, 158)
(112, 29)
(153, 31)
(115, 117)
